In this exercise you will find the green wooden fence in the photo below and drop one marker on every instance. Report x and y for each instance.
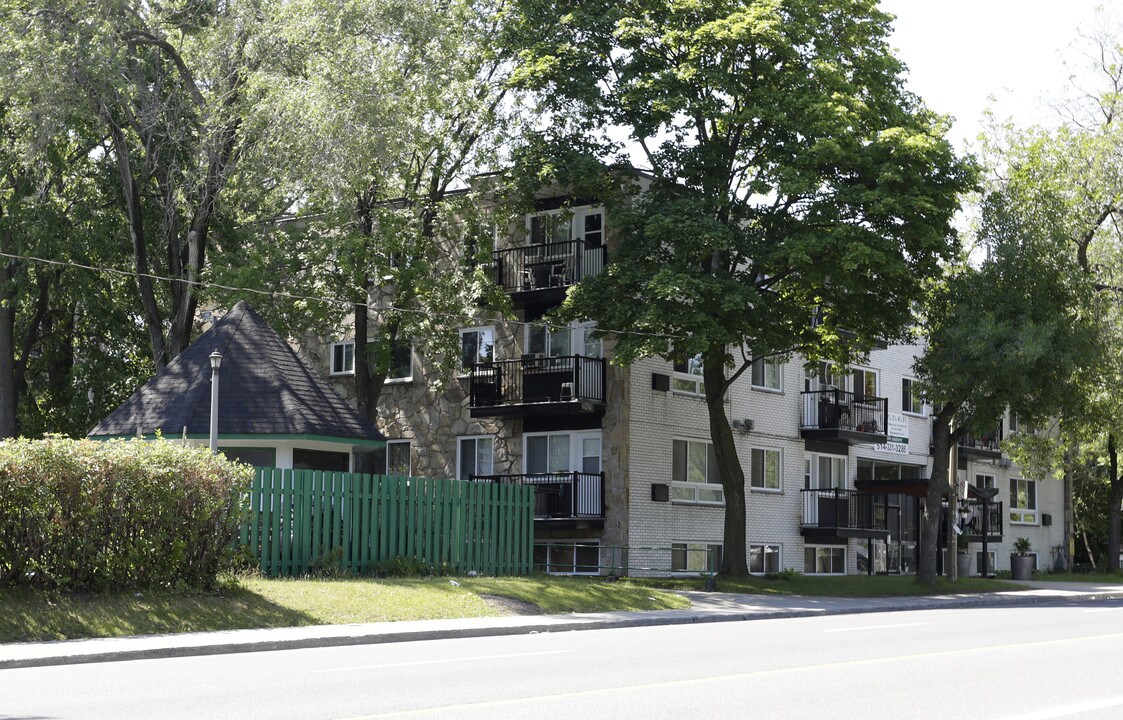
(298, 516)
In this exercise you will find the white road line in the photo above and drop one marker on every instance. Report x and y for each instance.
(875, 627)
(1067, 710)
(476, 658)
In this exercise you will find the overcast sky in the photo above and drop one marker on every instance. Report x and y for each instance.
(959, 52)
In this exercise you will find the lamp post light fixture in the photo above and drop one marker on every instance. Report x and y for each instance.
(216, 363)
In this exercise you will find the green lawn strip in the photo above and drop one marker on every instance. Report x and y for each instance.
(254, 602)
(857, 586)
(569, 594)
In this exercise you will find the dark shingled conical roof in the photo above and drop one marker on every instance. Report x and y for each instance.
(264, 389)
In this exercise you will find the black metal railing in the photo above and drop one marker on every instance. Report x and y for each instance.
(835, 508)
(537, 380)
(547, 265)
(563, 495)
(843, 410)
(972, 522)
(987, 441)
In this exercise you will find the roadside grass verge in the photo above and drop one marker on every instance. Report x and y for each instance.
(857, 586)
(257, 602)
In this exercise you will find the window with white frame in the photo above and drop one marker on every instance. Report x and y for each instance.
(911, 399)
(398, 458)
(475, 456)
(1013, 422)
(688, 376)
(864, 381)
(579, 557)
(585, 224)
(824, 560)
(343, 358)
(694, 473)
(984, 481)
(764, 471)
(766, 373)
(821, 376)
(764, 558)
(692, 557)
(477, 345)
(1023, 501)
(401, 361)
(991, 558)
(822, 472)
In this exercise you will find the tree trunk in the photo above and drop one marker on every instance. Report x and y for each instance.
(1113, 511)
(7, 350)
(1070, 516)
(734, 559)
(942, 437)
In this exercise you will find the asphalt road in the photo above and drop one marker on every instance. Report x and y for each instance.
(1013, 663)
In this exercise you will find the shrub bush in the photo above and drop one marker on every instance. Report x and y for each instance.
(87, 515)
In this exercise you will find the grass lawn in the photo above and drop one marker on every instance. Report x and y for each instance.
(253, 602)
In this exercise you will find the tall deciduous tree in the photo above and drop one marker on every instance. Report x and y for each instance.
(170, 86)
(397, 106)
(792, 175)
(1016, 332)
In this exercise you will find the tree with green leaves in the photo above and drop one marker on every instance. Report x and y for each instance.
(792, 177)
(1016, 332)
(396, 107)
(171, 87)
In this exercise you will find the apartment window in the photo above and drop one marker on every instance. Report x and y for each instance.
(1013, 423)
(766, 373)
(687, 557)
(547, 453)
(549, 340)
(865, 382)
(477, 345)
(475, 456)
(983, 481)
(343, 358)
(764, 559)
(1023, 501)
(694, 474)
(401, 360)
(911, 399)
(822, 472)
(820, 560)
(397, 457)
(764, 473)
(688, 376)
(573, 558)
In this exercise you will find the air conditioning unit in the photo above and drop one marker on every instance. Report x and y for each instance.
(1004, 462)
(745, 425)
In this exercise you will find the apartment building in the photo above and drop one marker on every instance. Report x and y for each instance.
(836, 462)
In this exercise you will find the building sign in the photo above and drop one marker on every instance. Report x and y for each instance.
(898, 435)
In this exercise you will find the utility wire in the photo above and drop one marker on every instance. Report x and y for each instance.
(133, 274)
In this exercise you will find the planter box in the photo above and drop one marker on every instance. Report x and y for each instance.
(1021, 567)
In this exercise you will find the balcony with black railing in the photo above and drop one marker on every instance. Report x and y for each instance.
(562, 499)
(977, 520)
(843, 416)
(982, 447)
(543, 271)
(839, 513)
(566, 385)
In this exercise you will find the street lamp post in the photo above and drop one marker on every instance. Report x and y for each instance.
(216, 363)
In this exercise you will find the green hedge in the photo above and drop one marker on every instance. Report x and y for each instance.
(86, 515)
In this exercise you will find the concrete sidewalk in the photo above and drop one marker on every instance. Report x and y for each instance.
(706, 607)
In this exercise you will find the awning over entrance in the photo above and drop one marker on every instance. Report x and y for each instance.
(916, 487)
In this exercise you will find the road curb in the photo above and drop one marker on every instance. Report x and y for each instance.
(74, 652)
